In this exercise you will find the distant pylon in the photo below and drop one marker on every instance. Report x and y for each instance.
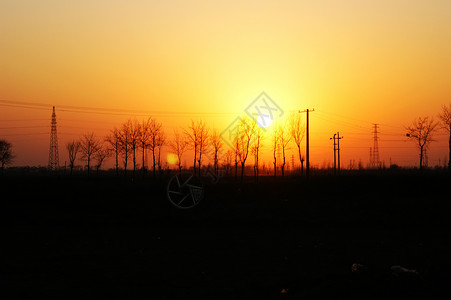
(53, 150)
(375, 161)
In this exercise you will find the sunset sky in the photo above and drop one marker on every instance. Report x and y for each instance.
(101, 62)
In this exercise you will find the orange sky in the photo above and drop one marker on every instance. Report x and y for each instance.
(356, 62)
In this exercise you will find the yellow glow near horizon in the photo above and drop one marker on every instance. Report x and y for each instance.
(172, 158)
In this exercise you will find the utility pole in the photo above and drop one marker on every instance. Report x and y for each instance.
(336, 138)
(307, 150)
(338, 150)
(335, 156)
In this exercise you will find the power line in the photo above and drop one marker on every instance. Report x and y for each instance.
(105, 111)
(22, 127)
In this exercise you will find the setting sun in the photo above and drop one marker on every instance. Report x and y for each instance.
(171, 158)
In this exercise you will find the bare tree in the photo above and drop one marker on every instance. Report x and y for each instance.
(236, 150)
(144, 139)
(154, 133)
(6, 153)
(256, 146)
(245, 134)
(275, 145)
(228, 161)
(161, 141)
(72, 148)
(217, 144)
(178, 145)
(101, 154)
(192, 137)
(135, 135)
(124, 142)
(89, 145)
(114, 145)
(421, 132)
(284, 140)
(297, 131)
(445, 118)
(203, 142)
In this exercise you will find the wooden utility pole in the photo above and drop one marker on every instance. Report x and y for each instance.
(335, 155)
(338, 151)
(307, 150)
(337, 138)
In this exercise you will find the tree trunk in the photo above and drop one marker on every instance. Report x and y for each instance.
(216, 163)
(153, 157)
(300, 159)
(195, 156)
(134, 161)
(117, 160)
(421, 158)
(159, 161)
(144, 151)
(449, 145)
(302, 167)
(256, 167)
(125, 167)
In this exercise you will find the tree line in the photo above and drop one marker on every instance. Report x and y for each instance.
(248, 138)
(129, 143)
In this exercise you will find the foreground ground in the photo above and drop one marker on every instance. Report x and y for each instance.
(99, 237)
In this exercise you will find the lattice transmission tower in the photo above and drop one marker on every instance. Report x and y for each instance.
(53, 150)
(375, 160)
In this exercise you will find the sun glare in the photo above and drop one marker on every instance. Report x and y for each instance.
(264, 120)
(171, 158)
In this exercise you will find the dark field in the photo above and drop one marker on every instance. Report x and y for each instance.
(105, 237)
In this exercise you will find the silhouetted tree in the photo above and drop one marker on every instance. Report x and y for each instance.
(216, 144)
(144, 139)
(6, 153)
(178, 145)
(114, 145)
(135, 134)
(421, 132)
(228, 161)
(192, 137)
(445, 118)
(101, 154)
(284, 139)
(245, 133)
(72, 148)
(124, 142)
(161, 141)
(236, 150)
(203, 142)
(256, 146)
(297, 131)
(155, 130)
(275, 145)
(89, 145)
